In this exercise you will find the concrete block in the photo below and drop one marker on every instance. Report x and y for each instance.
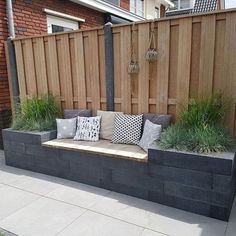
(187, 192)
(28, 137)
(180, 203)
(14, 146)
(180, 175)
(136, 180)
(205, 163)
(38, 150)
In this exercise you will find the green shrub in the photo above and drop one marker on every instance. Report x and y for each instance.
(204, 111)
(36, 114)
(200, 127)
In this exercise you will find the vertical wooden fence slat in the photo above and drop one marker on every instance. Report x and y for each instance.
(53, 72)
(143, 76)
(20, 68)
(230, 67)
(184, 62)
(80, 70)
(65, 71)
(125, 44)
(207, 55)
(162, 72)
(30, 76)
(40, 68)
(94, 69)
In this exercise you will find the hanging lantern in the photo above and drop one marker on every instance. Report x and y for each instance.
(152, 54)
(133, 67)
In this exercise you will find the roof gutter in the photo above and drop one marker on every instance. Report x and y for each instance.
(106, 7)
(10, 19)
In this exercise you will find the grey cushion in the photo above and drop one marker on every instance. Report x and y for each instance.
(66, 128)
(127, 129)
(88, 128)
(163, 120)
(151, 133)
(77, 112)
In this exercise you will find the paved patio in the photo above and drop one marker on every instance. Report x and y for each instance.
(34, 204)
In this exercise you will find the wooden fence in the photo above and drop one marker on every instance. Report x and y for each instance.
(197, 56)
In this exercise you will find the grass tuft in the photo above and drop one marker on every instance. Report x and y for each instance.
(36, 114)
(200, 128)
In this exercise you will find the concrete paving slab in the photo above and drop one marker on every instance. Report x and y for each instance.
(94, 224)
(45, 217)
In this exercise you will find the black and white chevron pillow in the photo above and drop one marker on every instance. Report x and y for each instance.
(127, 129)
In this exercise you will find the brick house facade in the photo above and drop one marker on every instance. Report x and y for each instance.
(29, 19)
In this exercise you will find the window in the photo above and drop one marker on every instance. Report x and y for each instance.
(182, 4)
(115, 2)
(59, 24)
(137, 7)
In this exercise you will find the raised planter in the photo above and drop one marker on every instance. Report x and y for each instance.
(201, 184)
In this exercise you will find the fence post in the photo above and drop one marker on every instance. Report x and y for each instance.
(109, 66)
(12, 74)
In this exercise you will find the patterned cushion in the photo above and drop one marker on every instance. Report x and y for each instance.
(77, 112)
(66, 128)
(127, 129)
(88, 128)
(151, 133)
(163, 120)
(107, 123)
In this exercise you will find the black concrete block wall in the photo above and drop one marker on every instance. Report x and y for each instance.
(195, 183)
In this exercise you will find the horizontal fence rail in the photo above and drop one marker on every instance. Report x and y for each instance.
(196, 56)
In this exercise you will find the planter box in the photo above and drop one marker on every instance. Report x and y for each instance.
(202, 184)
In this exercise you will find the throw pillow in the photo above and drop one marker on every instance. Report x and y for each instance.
(127, 129)
(66, 128)
(107, 123)
(151, 133)
(77, 112)
(163, 120)
(88, 128)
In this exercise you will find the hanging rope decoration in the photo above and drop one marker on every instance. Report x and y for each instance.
(152, 53)
(133, 67)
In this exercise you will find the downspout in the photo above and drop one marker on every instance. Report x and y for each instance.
(10, 19)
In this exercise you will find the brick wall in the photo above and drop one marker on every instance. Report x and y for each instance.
(31, 20)
(4, 90)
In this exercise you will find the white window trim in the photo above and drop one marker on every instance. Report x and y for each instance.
(62, 15)
(102, 6)
(54, 20)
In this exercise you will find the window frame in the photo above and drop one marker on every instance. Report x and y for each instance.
(179, 3)
(135, 10)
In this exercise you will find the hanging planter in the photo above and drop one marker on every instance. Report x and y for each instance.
(133, 67)
(152, 54)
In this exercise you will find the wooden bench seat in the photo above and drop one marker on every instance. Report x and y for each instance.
(102, 147)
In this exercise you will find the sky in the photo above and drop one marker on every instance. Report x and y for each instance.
(230, 3)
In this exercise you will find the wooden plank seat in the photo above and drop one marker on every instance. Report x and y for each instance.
(102, 147)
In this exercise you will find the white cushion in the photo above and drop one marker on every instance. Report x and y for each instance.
(107, 123)
(88, 128)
